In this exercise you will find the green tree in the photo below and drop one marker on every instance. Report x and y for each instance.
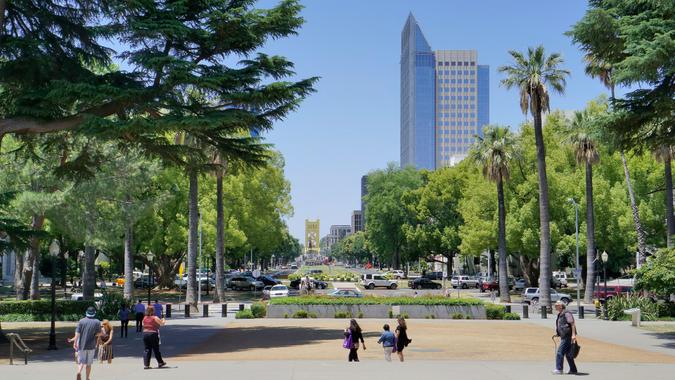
(658, 276)
(385, 214)
(532, 75)
(494, 151)
(664, 154)
(586, 152)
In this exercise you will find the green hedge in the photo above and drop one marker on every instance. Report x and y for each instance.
(44, 307)
(244, 314)
(326, 300)
(259, 310)
(494, 311)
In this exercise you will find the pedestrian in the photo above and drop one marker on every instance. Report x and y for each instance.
(159, 312)
(388, 341)
(355, 331)
(566, 329)
(139, 309)
(105, 350)
(124, 320)
(86, 334)
(151, 325)
(402, 339)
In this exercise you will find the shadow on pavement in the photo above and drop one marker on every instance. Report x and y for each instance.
(667, 336)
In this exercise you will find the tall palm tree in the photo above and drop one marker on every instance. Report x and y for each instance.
(220, 232)
(665, 154)
(532, 76)
(494, 152)
(586, 154)
(603, 70)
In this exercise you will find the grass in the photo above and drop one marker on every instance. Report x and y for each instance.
(666, 328)
(369, 300)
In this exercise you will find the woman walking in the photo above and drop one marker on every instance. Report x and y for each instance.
(355, 331)
(401, 337)
(124, 320)
(151, 325)
(105, 350)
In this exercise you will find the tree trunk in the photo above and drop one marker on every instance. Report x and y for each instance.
(128, 262)
(590, 235)
(504, 295)
(29, 265)
(220, 241)
(88, 273)
(397, 258)
(448, 264)
(670, 223)
(18, 275)
(530, 269)
(639, 231)
(544, 225)
(35, 280)
(193, 225)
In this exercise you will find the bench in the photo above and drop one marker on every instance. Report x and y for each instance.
(16, 341)
(635, 316)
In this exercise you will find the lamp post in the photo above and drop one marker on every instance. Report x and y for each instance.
(150, 279)
(54, 250)
(577, 272)
(65, 275)
(273, 262)
(605, 257)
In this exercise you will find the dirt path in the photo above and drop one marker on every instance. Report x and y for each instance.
(320, 339)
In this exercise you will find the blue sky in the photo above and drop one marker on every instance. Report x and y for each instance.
(350, 126)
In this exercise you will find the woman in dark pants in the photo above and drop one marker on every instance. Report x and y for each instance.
(151, 325)
(124, 320)
(402, 339)
(355, 330)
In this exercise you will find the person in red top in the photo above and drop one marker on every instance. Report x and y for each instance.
(151, 325)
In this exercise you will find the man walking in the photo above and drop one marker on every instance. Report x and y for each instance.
(86, 334)
(566, 329)
(139, 309)
(159, 312)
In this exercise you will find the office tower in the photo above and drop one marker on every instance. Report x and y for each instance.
(458, 94)
(357, 221)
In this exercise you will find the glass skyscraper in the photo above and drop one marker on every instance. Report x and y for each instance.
(445, 100)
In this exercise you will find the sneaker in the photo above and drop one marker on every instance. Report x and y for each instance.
(162, 365)
(146, 367)
(557, 372)
(573, 373)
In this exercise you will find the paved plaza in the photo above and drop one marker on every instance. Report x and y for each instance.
(310, 349)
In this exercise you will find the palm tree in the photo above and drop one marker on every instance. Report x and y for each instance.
(665, 154)
(587, 154)
(220, 232)
(532, 75)
(493, 152)
(598, 68)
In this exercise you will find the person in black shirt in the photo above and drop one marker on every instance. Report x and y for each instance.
(355, 330)
(401, 337)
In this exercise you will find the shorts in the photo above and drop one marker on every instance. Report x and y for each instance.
(86, 356)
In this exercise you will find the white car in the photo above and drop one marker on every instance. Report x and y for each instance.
(349, 293)
(373, 280)
(519, 284)
(464, 282)
(397, 274)
(560, 278)
(279, 291)
(80, 296)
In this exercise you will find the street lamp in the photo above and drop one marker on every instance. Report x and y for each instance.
(150, 279)
(273, 262)
(577, 272)
(605, 257)
(65, 275)
(54, 250)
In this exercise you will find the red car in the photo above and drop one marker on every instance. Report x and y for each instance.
(612, 291)
(489, 285)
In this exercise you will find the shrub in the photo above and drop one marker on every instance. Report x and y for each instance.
(391, 313)
(45, 307)
(312, 315)
(666, 309)
(494, 311)
(244, 314)
(468, 316)
(359, 315)
(259, 310)
(457, 316)
(300, 314)
(403, 315)
(286, 315)
(110, 305)
(511, 317)
(369, 300)
(616, 306)
(343, 314)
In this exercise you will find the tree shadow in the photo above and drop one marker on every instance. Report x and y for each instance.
(669, 338)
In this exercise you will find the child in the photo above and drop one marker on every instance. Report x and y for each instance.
(71, 340)
(388, 342)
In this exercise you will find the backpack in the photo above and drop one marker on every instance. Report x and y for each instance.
(562, 328)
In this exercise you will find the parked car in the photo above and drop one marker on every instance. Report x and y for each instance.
(267, 280)
(293, 266)
(315, 271)
(531, 296)
(560, 279)
(489, 285)
(397, 274)
(433, 275)
(144, 282)
(519, 284)
(423, 283)
(464, 282)
(374, 280)
(119, 281)
(278, 291)
(316, 284)
(245, 283)
(80, 297)
(349, 293)
(612, 291)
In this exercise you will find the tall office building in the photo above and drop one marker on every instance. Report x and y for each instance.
(445, 100)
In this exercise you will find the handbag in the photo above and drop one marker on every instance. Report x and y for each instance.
(347, 343)
(575, 349)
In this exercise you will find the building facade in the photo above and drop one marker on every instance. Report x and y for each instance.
(337, 233)
(445, 101)
(357, 221)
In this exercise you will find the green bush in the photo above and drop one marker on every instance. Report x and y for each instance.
(259, 310)
(244, 314)
(468, 316)
(457, 316)
(616, 305)
(494, 311)
(342, 314)
(370, 300)
(391, 313)
(403, 315)
(511, 317)
(110, 305)
(44, 307)
(430, 316)
(666, 309)
(39, 317)
(300, 314)
(359, 315)
(312, 315)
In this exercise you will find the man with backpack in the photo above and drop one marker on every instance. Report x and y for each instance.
(566, 329)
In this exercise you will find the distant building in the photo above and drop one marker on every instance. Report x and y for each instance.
(364, 192)
(337, 233)
(445, 101)
(357, 221)
(7, 267)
